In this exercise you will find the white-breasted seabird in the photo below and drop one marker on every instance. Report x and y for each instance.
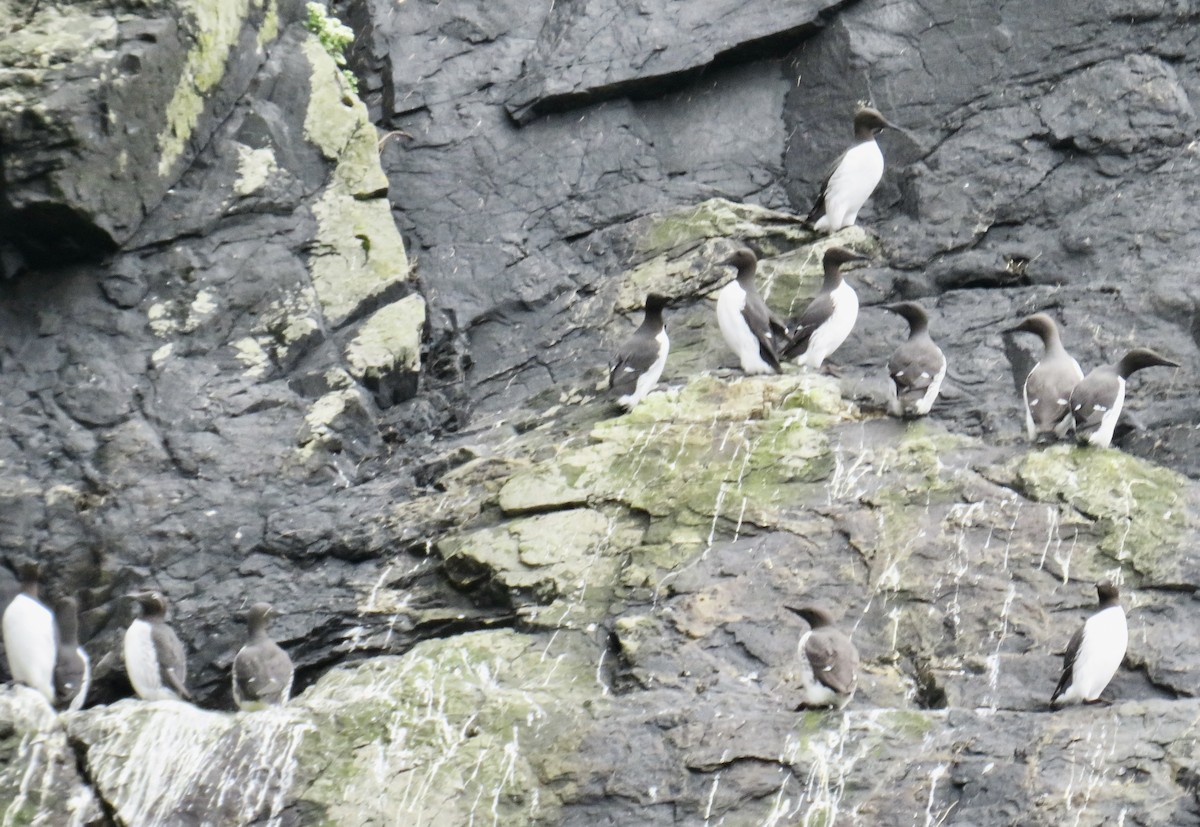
(262, 671)
(918, 366)
(154, 657)
(829, 317)
(642, 357)
(29, 636)
(1048, 386)
(72, 669)
(1095, 651)
(853, 177)
(828, 660)
(750, 328)
(1097, 400)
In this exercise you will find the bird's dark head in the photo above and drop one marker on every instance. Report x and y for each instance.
(1142, 357)
(1039, 324)
(912, 313)
(655, 302)
(869, 122)
(815, 616)
(258, 615)
(743, 259)
(837, 256)
(153, 604)
(1107, 591)
(29, 572)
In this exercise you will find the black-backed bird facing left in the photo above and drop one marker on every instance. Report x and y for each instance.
(640, 360)
(828, 660)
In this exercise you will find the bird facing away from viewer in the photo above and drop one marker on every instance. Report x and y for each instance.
(154, 656)
(918, 366)
(72, 669)
(829, 317)
(1097, 400)
(749, 327)
(1048, 386)
(641, 359)
(853, 177)
(262, 671)
(1095, 651)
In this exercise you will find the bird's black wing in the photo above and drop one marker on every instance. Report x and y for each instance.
(758, 317)
(833, 658)
(172, 661)
(818, 310)
(1069, 663)
(1091, 399)
(634, 358)
(814, 215)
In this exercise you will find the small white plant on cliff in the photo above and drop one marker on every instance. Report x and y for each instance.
(335, 36)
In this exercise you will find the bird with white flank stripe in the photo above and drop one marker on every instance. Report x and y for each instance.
(1048, 386)
(641, 359)
(918, 366)
(828, 660)
(1096, 402)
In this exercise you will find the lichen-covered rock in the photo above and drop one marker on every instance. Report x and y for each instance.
(39, 779)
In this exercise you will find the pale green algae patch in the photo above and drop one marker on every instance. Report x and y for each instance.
(446, 733)
(695, 461)
(216, 26)
(791, 271)
(389, 340)
(1141, 508)
(359, 253)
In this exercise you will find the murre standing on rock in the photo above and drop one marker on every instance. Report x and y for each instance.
(262, 671)
(1048, 386)
(1095, 651)
(828, 660)
(750, 329)
(72, 670)
(154, 656)
(918, 366)
(642, 357)
(29, 637)
(1097, 400)
(829, 317)
(854, 176)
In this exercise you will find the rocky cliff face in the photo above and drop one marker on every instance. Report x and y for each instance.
(220, 376)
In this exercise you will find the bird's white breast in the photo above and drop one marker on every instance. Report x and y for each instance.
(141, 663)
(851, 185)
(829, 336)
(731, 301)
(31, 642)
(1102, 436)
(1105, 638)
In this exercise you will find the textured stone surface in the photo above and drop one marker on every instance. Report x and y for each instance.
(225, 374)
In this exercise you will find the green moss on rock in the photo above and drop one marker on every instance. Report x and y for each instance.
(1141, 508)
